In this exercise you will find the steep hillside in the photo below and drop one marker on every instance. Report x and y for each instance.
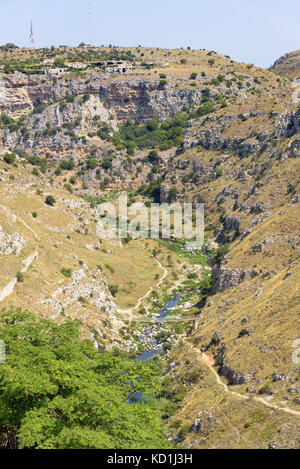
(83, 124)
(288, 65)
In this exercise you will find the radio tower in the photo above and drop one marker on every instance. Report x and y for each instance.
(32, 46)
(90, 21)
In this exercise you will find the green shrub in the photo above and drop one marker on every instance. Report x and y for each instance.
(153, 156)
(192, 275)
(37, 161)
(9, 158)
(243, 332)
(113, 289)
(20, 277)
(92, 163)
(82, 300)
(162, 84)
(204, 109)
(154, 134)
(67, 165)
(110, 268)
(63, 107)
(50, 200)
(68, 188)
(106, 163)
(59, 62)
(66, 272)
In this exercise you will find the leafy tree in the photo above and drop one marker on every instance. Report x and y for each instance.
(165, 135)
(20, 277)
(9, 46)
(162, 84)
(66, 272)
(113, 289)
(106, 162)
(152, 125)
(205, 109)
(153, 156)
(50, 200)
(9, 158)
(173, 192)
(67, 164)
(58, 392)
(92, 163)
(59, 62)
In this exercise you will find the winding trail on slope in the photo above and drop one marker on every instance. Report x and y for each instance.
(209, 362)
(22, 221)
(9, 288)
(130, 311)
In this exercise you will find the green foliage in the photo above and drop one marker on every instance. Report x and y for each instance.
(154, 134)
(37, 161)
(66, 272)
(152, 190)
(113, 289)
(20, 277)
(162, 84)
(106, 163)
(92, 163)
(63, 107)
(110, 268)
(68, 188)
(58, 392)
(9, 158)
(8, 47)
(153, 156)
(221, 252)
(50, 200)
(173, 193)
(59, 62)
(67, 165)
(204, 109)
(243, 332)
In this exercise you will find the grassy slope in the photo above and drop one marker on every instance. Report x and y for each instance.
(59, 244)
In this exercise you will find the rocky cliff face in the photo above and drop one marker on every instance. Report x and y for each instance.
(142, 100)
(136, 99)
(224, 278)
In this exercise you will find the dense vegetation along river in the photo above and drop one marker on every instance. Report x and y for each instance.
(147, 354)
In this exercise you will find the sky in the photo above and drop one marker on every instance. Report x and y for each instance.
(251, 31)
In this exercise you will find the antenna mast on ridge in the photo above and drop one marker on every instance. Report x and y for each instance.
(32, 45)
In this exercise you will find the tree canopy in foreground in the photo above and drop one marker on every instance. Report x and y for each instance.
(57, 391)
